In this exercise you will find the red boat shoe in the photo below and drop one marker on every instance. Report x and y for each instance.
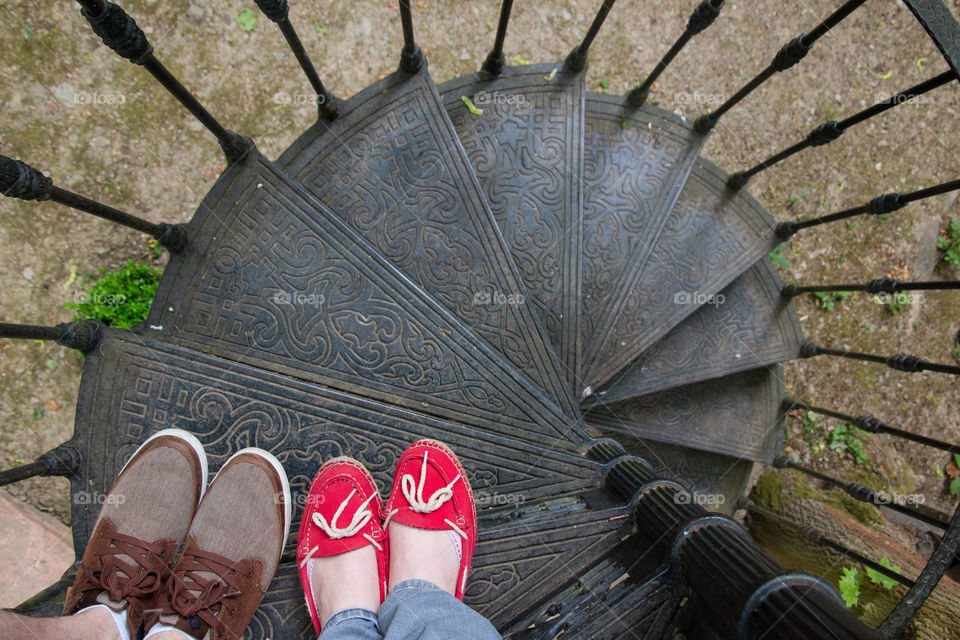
(431, 491)
(342, 514)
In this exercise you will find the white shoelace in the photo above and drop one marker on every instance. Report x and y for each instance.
(413, 492)
(360, 519)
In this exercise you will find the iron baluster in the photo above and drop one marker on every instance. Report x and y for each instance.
(495, 60)
(864, 494)
(279, 12)
(120, 32)
(871, 425)
(411, 58)
(816, 536)
(887, 203)
(788, 56)
(880, 286)
(63, 460)
(82, 336)
(900, 362)
(830, 131)
(20, 180)
(577, 58)
(702, 17)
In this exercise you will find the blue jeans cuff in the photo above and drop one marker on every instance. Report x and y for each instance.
(416, 583)
(356, 613)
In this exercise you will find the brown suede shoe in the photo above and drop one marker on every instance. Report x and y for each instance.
(144, 519)
(232, 550)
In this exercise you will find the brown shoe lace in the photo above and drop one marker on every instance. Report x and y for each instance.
(191, 595)
(123, 580)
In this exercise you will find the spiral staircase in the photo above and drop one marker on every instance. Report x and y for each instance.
(550, 280)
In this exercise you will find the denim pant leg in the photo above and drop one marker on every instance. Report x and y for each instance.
(420, 610)
(352, 624)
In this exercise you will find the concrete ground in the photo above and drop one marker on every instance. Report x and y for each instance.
(35, 550)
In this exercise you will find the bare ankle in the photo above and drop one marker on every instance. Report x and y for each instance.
(420, 554)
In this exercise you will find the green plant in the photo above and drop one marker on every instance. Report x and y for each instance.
(777, 258)
(247, 19)
(846, 438)
(849, 585)
(949, 243)
(827, 300)
(120, 299)
(897, 302)
(878, 578)
(954, 479)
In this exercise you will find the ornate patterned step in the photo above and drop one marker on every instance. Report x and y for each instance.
(526, 149)
(710, 238)
(134, 386)
(747, 326)
(272, 279)
(634, 169)
(738, 415)
(391, 166)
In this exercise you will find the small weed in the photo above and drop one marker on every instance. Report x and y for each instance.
(827, 111)
(604, 85)
(154, 249)
(776, 257)
(247, 19)
(322, 28)
(953, 472)
(120, 299)
(827, 300)
(795, 199)
(851, 580)
(878, 578)
(850, 586)
(846, 438)
(949, 243)
(898, 302)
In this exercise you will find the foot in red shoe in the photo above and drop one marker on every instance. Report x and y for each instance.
(341, 547)
(431, 518)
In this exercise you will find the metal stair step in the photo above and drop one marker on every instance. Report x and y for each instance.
(392, 168)
(525, 492)
(747, 325)
(526, 150)
(517, 565)
(710, 238)
(609, 601)
(635, 165)
(737, 415)
(276, 281)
